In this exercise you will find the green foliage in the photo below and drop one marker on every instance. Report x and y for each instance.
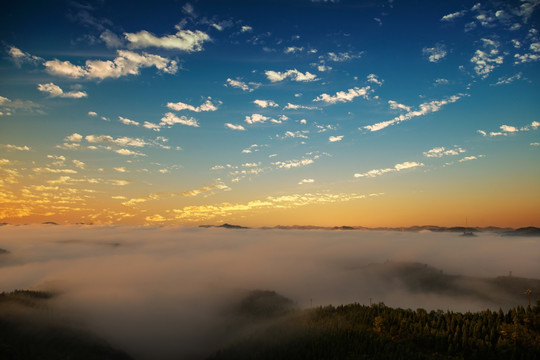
(379, 332)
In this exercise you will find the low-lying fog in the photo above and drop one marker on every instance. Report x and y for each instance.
(163, 292)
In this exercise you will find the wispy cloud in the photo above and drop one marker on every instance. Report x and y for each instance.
(453, 16)
(396, 168)
(242, 85)
(126, 63)
(10, 147)
(185, 40)
(206, 106)
(290, 106)
(342, 96)
(234, 127)
(20, 57)
(335, 138)
(294, 75)
(424, 109)
(442, 151)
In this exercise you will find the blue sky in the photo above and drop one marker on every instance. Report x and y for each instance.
(269, 112)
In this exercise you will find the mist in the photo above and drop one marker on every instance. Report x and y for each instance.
(164, 293)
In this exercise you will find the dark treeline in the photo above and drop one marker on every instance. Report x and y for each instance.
(380, 332)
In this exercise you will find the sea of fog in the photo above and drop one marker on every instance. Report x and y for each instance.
(163, 292)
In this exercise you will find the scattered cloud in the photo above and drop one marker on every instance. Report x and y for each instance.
(442, 151)
(126, 63)
(127, 152)
(469, 158)
(486, 61)
(335, 138)
(265, 103)
(246, 28)
(79, 164)
(20, 57)
(453, 16)
(242, 85)
(394, 105)
(74, 137)
(92, 113)
(508, 129)
(424, 109)
(342, 96)
(127, 121)
(290, 106)
(256, 118)
(206, 106)
(289, 164)
(372, 78)
(536, 143)
(306, 181)
(185, 40)
(234, 127)
(436, 53)
(171, 119)
(10, 147)
(396, 168)
(294, 75)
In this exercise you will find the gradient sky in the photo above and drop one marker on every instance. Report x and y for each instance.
(262, 113)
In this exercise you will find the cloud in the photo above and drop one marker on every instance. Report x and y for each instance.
(10, 147)
(8, 107)
(442, 151)
(179, 106)
(293, 50)
(335, 138)
(152, 126)
(469, 158)
(435, 54)
(126, 63)
(20, 57)
(111, 40)
(290, 164)
(508, 128)
(306, 181)
(290, 106)
(394, 105)
(74, 137)
(486, 61)
(92, 113)
(246, 28)
(536, 143)
(127, 152)
(185, 40)
(294, 75)
(398, 167)
(453, 16)
(79, 164)
(424, 109)
(171, 119)
(234, 127)
(256, 118)
(121, 141)
(127, 121)
(342, 96)
(372, 78)
(242, 85)
(265, 103)
(55, 91)
(295, 134)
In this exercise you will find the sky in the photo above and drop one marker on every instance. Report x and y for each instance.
(261, 113)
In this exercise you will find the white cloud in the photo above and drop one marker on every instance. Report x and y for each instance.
(293, 163)
(372, 78)
(127, 121)
(74, 137)
(441, 81)
(92, 113)
(295, 134)
(55, 91)
(508, 128)
(111, 39)
(395, 105)
(469, 158)
(306, 181)
(10, 147)
(293, 50)
(335, 138)
(234, 127)
(398, 167)
(126, 63)
(127, 152)
(486, 61)
(442, 151)
(19, 57)
(342, 96)
(290, 106)
(151, 126)
(242, 85)
(246, 28)
(294, 75)
(435, 54)
(481, 132)
(342, 56)
(256, 118)
(453, 16)
(185, 40)
(535, 143)
(79, 164)
(424, 109)
(265, 103)
(171, 119)
(106, 139)
(207, 106)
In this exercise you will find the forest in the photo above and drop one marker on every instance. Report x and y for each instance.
(29, 331)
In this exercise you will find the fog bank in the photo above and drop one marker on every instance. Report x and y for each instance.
(164, 292)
